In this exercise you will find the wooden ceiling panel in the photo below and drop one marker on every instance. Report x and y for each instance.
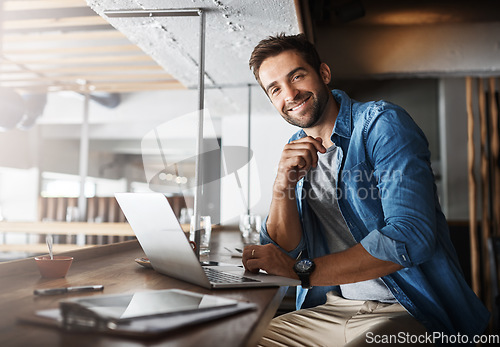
(52, 45)
(26, 5)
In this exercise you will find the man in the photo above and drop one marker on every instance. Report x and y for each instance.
(354, 215)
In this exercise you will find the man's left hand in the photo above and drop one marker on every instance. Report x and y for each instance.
(270, 259)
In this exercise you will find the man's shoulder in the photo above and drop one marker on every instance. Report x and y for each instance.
(367, 113)
(371, 108)
(361, 112)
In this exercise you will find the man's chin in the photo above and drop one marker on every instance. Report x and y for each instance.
(301, 123)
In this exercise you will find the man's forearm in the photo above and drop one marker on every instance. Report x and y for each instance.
(352, 265)
(283, 223)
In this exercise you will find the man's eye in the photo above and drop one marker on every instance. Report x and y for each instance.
(274, 91)
(296, 77)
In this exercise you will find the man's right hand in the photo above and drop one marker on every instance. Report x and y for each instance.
(296, 159)
(283, 222)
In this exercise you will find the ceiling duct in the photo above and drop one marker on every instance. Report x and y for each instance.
(13, 108)
(109, 100)
(20, 111)
(34, 106)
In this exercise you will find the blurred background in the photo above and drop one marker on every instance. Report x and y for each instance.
(80, 91)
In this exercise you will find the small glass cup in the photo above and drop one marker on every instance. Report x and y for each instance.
(205, 233)
(56, 267)
(250, 228)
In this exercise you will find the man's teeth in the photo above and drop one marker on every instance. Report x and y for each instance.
(296, 107)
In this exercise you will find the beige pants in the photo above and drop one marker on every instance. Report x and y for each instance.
(342, 322)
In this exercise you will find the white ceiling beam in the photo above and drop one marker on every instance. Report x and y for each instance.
(80, 60)
(116, 77)
(64, 36)
(73, 50)
(78, 69)
(115, 87)
(21, 5)
(53, 23)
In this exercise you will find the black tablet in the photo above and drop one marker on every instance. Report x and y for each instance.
(141, 304)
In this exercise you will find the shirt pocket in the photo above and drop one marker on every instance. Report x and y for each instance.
(359, 188)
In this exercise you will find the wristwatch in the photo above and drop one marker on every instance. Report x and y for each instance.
(304, 268)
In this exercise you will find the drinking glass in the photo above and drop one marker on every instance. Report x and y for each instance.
(250, 228)
(205, 233)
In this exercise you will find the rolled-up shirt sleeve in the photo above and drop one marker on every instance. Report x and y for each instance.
(399, 154)
(385, 248)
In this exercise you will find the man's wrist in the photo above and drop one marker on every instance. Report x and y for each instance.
(304, 268)
(280, 185)
(284, 190)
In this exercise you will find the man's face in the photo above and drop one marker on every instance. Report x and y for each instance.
(296, 90)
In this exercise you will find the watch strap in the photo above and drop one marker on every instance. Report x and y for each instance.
(305, 280)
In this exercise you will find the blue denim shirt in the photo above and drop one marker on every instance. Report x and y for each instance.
(387, 196)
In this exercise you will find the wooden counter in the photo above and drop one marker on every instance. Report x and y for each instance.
(114, 267)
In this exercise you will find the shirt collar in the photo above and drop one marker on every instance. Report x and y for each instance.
(343, 123)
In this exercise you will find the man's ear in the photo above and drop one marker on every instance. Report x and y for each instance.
(325, 73)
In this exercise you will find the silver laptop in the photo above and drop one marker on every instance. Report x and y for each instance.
(165, 244)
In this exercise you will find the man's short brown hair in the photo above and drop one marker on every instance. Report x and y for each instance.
(275, 45)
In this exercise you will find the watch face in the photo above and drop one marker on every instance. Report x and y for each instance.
(304, 265)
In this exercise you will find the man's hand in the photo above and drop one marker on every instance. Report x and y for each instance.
(270, 259)
(283, 222)
(296, 159)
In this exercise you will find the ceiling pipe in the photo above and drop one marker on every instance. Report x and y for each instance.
(195, 12)
(173, 12)
(84, 155)
(201, 104)
(249, 151)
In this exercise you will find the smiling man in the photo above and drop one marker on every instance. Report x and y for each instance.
(354, 215)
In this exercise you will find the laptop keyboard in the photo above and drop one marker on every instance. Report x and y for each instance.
(216, 276)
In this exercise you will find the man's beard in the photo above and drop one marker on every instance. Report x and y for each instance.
(314, 112)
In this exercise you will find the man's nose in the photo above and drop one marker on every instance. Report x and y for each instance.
(290, 92)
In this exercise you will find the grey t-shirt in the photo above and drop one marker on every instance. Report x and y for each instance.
(320, 183)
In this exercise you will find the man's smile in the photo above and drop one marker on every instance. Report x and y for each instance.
(297, 107)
